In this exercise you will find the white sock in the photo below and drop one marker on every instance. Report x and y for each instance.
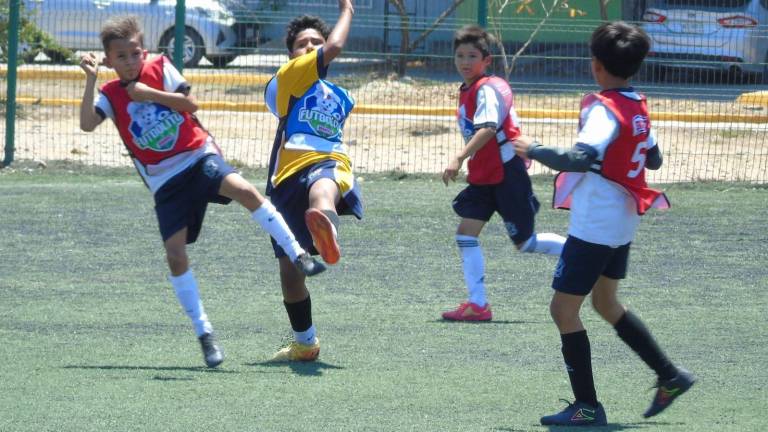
(307, 337)
(273, 223)
(546, 243)
(473, 264)
(185, 286)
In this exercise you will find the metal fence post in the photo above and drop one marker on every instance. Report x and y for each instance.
(10, 102)
(482, 13)
(179, 35)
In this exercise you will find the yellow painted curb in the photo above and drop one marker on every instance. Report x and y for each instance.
(104, 75)
(754, 98)
(437, 111)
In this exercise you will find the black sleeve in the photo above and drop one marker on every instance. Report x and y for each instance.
(322, 69)
(654, 159)
(577, 159)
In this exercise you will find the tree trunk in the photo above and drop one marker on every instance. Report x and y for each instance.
(405, 30)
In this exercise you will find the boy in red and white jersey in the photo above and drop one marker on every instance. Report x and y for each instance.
(498, 179)
(602, 182)
(151, 106)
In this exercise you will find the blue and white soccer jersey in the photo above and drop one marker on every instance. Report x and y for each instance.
(308, 145)
(513, 198)
(603, 217)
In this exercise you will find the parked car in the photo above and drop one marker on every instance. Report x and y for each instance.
(726, 35)
(211, 29)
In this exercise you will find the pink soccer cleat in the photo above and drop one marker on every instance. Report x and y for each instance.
(469, 312)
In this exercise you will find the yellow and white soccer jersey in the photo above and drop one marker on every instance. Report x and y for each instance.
(312, 112)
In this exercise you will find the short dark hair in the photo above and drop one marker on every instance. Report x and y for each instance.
(299, 24)
(121, 27)
(475, 35)
(620, 47)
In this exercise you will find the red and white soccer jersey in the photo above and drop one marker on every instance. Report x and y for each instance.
(161, 141)
(488, 102)
(606, 203)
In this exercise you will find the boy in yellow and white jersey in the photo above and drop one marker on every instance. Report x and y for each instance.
(310, 173)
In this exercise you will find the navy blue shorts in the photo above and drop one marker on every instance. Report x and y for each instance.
(582, 263)
(182, 201)
(291, 198)
(513, 199)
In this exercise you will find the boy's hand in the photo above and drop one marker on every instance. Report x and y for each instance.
(451, 171)
(522, 145)
(90, 65)
(139, 92)
(346, 4)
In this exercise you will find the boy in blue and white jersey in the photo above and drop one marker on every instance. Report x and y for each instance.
(310, 173)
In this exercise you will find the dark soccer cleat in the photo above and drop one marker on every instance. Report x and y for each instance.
(577, 414)
(309, 265)
(211, 351)
(669, 390)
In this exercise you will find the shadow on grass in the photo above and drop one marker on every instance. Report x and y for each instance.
(607, 428)
(314, 368)
(152, 368)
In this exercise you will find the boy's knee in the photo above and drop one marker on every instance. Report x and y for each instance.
(560, 315)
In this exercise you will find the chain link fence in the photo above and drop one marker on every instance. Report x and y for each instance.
(703, 77)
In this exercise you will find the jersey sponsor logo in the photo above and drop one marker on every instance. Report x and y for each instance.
(323, 112)
(154, 126)
(639, 125)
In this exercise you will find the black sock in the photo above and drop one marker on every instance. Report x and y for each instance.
(634, 333)
(578, 362)
(300, 314)
(330, 214)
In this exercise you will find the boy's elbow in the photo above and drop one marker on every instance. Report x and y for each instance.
(193, 107)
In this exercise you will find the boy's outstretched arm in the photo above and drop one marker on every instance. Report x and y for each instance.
(577, 159)
(89, 119)
(338, 37)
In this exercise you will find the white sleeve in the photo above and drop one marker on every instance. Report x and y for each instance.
(172, 78)
(652, 139)
(102, 106)
(600, 129)
(488, 112)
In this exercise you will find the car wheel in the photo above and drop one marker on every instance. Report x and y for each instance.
(222, 60)
(193, 46)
